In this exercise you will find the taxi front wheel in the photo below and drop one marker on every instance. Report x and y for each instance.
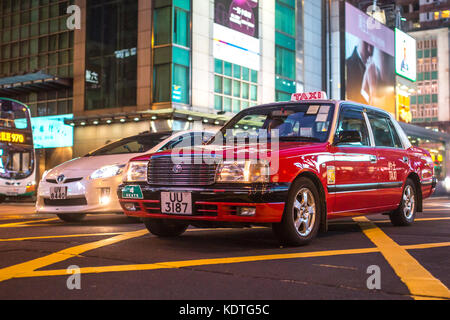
(301, 218)
(165, 228)
(406, 212)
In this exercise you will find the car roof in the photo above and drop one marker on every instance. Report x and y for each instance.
(335, 102)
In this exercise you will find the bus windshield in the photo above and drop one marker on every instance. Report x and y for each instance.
(15, 163)
(17, 157)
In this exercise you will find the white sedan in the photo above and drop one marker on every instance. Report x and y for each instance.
(88, 185)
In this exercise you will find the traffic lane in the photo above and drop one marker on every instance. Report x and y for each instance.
(432, 225)
(21, 209)
(340, 227)
(32, 239)
(188, 284)
(215, 244)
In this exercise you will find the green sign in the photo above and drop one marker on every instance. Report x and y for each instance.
(132, 192)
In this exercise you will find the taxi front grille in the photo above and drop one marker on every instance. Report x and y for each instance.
(191, 172)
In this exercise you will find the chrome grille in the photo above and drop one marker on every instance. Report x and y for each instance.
(191, 172)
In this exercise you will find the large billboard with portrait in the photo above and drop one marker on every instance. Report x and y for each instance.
(236, 32)
(370, 62)
(405, 55)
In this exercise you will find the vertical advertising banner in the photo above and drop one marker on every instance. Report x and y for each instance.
(370, 62)
(405, 55)
(236, 32)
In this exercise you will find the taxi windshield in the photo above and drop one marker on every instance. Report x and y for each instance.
(292, 122)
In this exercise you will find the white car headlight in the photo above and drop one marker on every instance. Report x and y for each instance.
(243, 172)
(107, 172)
(136, 171)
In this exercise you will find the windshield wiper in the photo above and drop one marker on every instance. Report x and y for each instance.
(297, 138)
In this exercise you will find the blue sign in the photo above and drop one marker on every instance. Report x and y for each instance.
(176, 93)
(52, 132)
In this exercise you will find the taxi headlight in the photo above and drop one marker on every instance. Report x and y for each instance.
(248, 171)
(136, 171)
(107, 172)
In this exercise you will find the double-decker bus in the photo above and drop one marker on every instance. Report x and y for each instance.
(17, 154)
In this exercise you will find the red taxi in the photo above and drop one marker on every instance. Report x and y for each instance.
(291, 165)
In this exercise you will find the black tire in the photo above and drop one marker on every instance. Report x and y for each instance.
(165, 228)
(406, 212)
(2, 199)
(287, 232)
(71, 217)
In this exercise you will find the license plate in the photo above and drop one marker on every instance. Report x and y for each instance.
(176, 203)
(132, 192)
(58, 193)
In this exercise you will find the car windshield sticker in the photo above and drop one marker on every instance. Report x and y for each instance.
(322, 117)
(324, 109)
(313, 109)
(306, 132)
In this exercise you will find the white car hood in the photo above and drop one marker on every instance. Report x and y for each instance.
(85, 166)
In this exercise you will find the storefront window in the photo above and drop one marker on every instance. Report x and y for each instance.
(437, 151)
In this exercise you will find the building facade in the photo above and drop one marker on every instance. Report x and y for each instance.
(139, 65)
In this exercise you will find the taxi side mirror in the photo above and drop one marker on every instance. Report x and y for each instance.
(348, 136)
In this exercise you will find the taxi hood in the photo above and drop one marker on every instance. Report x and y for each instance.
(247, 150)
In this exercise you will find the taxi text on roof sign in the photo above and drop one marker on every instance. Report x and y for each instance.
(317, 95)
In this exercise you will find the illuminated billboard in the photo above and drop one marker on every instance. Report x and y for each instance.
(52, 132)
(236, 32)
(370, 63)
(405, 55)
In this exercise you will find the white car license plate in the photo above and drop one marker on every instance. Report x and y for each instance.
(176, 203)
(58, 193)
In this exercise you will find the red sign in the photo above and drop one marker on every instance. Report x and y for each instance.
(318, 95)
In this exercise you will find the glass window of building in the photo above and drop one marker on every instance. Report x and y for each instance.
(34, 37)
(285, 44)
(111, 54)
(172, 51)
(235, 87)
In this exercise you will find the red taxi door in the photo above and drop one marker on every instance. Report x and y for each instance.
(393, 160)
(356, 170)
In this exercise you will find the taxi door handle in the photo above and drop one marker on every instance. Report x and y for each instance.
(373, 159)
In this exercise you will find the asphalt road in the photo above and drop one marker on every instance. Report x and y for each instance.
(119, 259)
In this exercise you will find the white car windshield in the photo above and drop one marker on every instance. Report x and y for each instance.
(136, 144)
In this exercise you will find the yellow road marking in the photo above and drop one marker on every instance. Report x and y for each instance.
(20, 224)
(416, 220)
(29, 266)
(204, 262)
(63, 236)
(419, 281)
(201, 262)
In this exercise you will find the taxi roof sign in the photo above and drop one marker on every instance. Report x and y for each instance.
(304, 96)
